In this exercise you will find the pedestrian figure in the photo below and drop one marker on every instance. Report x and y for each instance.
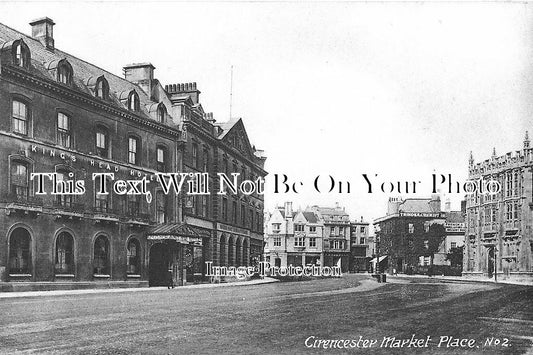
(170, 279)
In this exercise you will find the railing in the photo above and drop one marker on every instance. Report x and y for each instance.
(104, 210)
(69, 206)
(138, 216)
(22, 199)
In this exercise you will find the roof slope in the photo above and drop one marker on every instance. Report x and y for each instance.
(418, 205)
(82, 70)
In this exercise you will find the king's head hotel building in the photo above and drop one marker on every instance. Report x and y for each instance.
(60, 114)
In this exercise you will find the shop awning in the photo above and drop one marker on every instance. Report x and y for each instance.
(180, 232)
(381, 258)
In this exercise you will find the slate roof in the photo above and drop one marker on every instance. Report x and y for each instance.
(82, 70)
(226, 126)
(331, 211)
(418, 205)
(311, 217)
(282, 211)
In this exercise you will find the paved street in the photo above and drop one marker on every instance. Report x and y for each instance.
(275, 318)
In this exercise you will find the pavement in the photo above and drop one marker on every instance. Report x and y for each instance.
(265, 280)
(462, 279)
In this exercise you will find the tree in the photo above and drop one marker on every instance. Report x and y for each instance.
(455, 256)
(429, 242)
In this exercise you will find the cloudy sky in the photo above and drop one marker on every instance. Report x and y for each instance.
(401, 90)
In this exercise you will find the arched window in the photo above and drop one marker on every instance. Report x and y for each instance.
(102, 142)
(63, 130)
(64, 73)
(20, 252)
(134, 147)
(133, 257)
(20, 117)
(19, 180)
(101, 89)
(161, 113)
(64, 255)
(133, 101)
(101, 256)
(161, 158)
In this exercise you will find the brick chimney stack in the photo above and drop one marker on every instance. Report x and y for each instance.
(42, 29)
(184, 88)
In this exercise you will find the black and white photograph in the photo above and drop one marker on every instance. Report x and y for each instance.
(266, 177)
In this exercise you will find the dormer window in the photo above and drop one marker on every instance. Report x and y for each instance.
(101, 89)
(21, 55)
(161, 113)
(133, 101)
(64, 73)
(18, 55)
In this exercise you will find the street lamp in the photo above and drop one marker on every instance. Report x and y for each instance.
(378, 231)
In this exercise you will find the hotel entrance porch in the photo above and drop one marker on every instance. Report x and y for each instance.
(175, 251)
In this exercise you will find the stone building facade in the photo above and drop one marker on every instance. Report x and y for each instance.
(499, 238)
(401, 233)
(361, 249)
(294, 238)
(336, 235)
(60, 114)
(454, 227)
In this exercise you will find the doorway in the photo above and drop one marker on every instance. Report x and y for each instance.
(490, 263)
(160, 262)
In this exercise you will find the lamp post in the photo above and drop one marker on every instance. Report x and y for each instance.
(378, 230)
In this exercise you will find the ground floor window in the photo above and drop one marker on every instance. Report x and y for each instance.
(133, 257)
(20, 252)
(64, 255)
(101, 256)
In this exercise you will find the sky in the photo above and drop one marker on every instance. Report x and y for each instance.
(401, 90)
